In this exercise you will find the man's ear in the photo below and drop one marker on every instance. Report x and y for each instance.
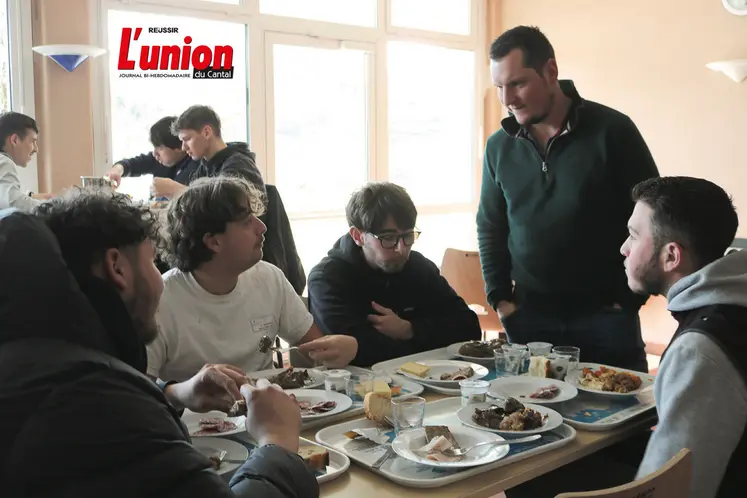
(551, 70)
(357, 236)
(115, 268)
(14, 139)
(212, 242)
(672, 257)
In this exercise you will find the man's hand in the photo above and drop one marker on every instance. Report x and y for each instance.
(115, 174)
(390, 324)
(332, 351)
(166, 187)
(272, 417)
(505, 309)
(214, 387)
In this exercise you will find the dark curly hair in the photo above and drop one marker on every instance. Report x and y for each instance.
(206, 207)
(88, 222)
(370, 207)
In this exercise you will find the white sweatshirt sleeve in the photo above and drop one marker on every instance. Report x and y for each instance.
(702, 405)
(11, 195)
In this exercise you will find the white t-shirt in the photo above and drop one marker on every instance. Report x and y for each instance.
(197, 327)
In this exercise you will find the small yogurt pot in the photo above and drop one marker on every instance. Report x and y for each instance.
(336, 380)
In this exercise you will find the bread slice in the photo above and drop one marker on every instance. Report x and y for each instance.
(315, 457)
(377, 407)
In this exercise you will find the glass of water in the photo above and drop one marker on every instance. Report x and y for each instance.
(514, 357)
(407, 413)
(570, 353)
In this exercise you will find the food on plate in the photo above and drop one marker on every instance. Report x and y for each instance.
(539, 366)
(481, 349)
(291, 379)
(377, 407)
(265, 343)
(513, 416)
(216, 459)
(416, 369)
(238, 409)
(309, 408)
(461, 374)
(610, 380)
(547, 392)
(439, 439)
(212, 426)
(315, 457)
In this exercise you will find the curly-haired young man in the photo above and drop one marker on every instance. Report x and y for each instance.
(220, 298)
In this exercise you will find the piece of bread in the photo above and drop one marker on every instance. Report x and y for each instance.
(377, 407)
(417, 369)
(315, 457)
(539, 366)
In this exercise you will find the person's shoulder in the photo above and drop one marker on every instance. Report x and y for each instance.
(174, 278)
(602, 114)
(261, 272)
(7, 166)
(423, 265)
(175, 286)
(497, 139)
(331, 268)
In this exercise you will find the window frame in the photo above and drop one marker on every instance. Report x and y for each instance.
(22, 76)
(263, 27)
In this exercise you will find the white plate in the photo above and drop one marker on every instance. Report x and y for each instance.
(317, 377)
(192, 421)
(315, 396)
(209, 446)
(453, 350)
(439, 367)
(522, 388)
(339, 463)
(406, 442)
(574, 379)
(553, 420)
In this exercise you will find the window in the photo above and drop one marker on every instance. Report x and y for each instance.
(5, 97)
(447, 16)
(431, 122)
(315, 237)
(137, 103)
(441, 231)
(321, 125)
(358, 12)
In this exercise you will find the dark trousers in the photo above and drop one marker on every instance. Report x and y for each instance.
(610, 467)
(608, 335)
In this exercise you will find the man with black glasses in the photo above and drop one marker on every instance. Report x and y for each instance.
(373, 287)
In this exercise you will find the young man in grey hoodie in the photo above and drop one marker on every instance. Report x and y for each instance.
(679, 231)
(18, 134)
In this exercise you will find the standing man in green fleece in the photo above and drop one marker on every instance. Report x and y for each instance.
(554, 204)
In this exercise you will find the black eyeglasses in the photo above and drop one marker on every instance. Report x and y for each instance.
(390, 241)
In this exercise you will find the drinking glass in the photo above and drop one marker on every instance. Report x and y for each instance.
(357, 386)
(407, 413)
(571, 353)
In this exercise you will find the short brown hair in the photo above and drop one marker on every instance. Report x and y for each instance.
(195, 118)
(206, 207)
(371, 205)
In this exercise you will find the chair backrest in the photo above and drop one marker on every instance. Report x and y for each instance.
(670, 481)
(463, 272)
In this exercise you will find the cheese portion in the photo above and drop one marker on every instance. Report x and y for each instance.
(315, 457)
(381, 387)
(417, 369)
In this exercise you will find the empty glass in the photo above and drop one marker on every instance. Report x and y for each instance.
(515, 355)
(407, 413)
(473, 391)
(357, 386)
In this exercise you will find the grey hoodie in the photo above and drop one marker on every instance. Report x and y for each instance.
(701, 398)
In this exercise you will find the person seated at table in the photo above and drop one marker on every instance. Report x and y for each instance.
(199, 130)
(220, 298)
(18, 135)
(170, 166)
(72, 370)
(680, 230)
(374, 287)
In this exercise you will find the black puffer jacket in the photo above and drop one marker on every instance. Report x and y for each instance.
(77, 416)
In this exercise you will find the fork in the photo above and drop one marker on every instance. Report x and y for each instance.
(462, 452)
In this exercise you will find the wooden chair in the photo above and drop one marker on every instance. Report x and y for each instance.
(463, 272)
(670, 481)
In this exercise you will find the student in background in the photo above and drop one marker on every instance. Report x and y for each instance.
(170, 166)
(18, 136)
